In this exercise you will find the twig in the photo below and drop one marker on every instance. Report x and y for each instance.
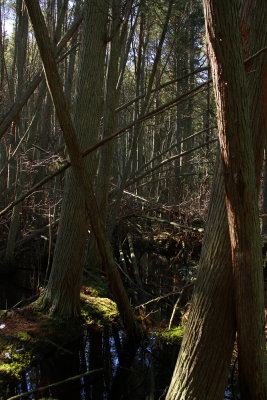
(159, 298)
(177, 303)
(255, 55)
(132, 282)
(175, 157)
(72, 378)
(165, 221)
(129, 103)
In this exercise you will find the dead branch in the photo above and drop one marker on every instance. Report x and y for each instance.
(41, 389)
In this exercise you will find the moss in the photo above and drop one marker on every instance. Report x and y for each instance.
(95, 290)
(14, 360)
(173, 336)
(23, 336)
(56, 165)
(98, 310)
(29, 333)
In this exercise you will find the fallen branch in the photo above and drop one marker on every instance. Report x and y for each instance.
(165, 221)
(41, 389)
(157, 299)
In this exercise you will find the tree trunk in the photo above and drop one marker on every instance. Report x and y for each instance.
(203, 362)
(83, 180)
(264, 206)
(138, 128)
(231, 95)
(62, 294)
(202, 366)
(110, 122)
(21, 51)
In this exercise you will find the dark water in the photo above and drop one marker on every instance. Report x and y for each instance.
(122, 372)
(127, 373)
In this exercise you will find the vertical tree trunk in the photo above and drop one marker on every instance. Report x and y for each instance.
(264, 206)
(144, 108)
(110, 117)
(62, 294)
(2, 56)
(17, 174)
(110, 121)
(202, 366)
(83, 180)
(203, 362)
(231, 95)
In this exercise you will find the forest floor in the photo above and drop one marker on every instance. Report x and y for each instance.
(158, 259)
(166, 255)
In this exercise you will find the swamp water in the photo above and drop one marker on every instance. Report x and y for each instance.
(119, 371)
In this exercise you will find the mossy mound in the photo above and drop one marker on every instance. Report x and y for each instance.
(27, 335)
(98, 310)
(172, 336)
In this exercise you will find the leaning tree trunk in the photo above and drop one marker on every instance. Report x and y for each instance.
(83, 180)
(202, 366)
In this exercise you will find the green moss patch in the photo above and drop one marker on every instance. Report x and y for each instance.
(14, 360)
(98, 310)
(27, 335)
(172, 336)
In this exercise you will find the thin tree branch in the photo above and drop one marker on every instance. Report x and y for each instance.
(173, 146)
(52, 385)
(175, 157)
(258, 53)
(102, 142)
(162, 86)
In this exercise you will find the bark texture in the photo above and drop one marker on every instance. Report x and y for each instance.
(82, 178)
(231, 95)
(202, 366)
(62, 294)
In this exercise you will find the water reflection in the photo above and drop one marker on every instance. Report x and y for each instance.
(127, 372)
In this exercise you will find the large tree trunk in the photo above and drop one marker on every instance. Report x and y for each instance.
(202, 366)
(264, 205)
(83, 180)
(62, 294)
(203, 362)
(231, 95)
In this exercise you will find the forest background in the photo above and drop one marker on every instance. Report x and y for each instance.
(137, 83)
